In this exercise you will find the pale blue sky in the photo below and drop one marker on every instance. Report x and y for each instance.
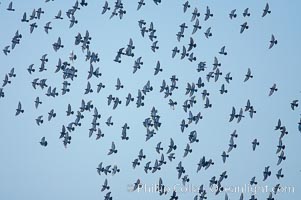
(29, 171)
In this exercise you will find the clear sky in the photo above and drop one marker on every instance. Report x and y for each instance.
(31, 171)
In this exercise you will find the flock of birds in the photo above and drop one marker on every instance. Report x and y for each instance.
(195, 92)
